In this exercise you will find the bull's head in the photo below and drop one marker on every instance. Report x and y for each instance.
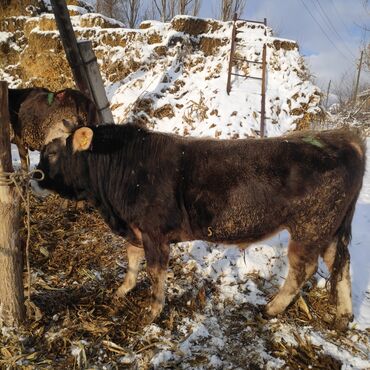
(62, 166)
(60, 130)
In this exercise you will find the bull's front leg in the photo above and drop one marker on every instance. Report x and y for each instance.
(157, 258)
(134, 256)
(23, 153)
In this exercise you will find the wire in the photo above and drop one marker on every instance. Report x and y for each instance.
(340, 17)
(333, 28)
(323, 31)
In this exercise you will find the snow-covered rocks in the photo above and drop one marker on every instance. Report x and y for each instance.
(171, 76)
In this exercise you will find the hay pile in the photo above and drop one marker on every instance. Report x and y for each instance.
(170, 64)
(77, 263)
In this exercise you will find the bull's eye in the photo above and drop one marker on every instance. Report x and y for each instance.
(52, 156)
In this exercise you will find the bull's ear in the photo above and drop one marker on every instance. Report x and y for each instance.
(82, 139)
(68, 126)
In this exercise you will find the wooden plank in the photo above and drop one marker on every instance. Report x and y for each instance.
(247, 60)
(95, 80)
(11, 261)
(251, 21)
(232, 52)
(245, 76)
(69, 42)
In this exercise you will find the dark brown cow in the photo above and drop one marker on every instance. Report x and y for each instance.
(36, 116)
(155, 189)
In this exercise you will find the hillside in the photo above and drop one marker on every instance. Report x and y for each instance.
(171, 76)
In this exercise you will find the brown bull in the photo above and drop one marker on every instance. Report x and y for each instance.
(155, 189)
(36, 116)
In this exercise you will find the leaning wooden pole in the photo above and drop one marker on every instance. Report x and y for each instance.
(95, 81)
(231, 56)
(263, 92)
(358, 78)
(70, 46)
(12, 310)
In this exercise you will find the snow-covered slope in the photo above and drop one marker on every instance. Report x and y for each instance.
(172, 76)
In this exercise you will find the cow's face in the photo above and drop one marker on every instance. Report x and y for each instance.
(52, 163)
(60, 165)
(61, 130)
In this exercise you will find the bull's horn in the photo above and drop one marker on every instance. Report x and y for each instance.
(82, 139)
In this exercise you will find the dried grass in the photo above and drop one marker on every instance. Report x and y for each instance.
(76, 265)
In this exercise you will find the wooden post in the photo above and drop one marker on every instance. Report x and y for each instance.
(70, 46)
(96, 82)
(12, 310)
(327, 95)
(358, 79)
(232, 51)
(263, 92)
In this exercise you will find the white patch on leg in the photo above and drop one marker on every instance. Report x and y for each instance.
(344, 296)
(290, 288)
(134, 255)
(285, 295)
(158, 277)
(329, 255)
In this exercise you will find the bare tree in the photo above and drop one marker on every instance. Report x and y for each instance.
(130, 11)
(229, 7)
(183, 4)
(150, 12)
(367, 57)
(172, 7)
(109, 8)
(167, 9)
(196, 7)
(343, 89)
(162, 9)
(189, 7)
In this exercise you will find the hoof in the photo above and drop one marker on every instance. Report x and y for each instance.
(269, 311)
(119, 295)
(155, 310)
(149, 318)
(341, 323)
(266, 315)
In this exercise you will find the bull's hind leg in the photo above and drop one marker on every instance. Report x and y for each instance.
(303, 260)
(157, 258)
(341, 283)
(134, 255)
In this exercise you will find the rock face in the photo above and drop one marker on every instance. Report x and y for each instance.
(170, 76)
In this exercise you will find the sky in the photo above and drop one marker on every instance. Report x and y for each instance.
(328, 32)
